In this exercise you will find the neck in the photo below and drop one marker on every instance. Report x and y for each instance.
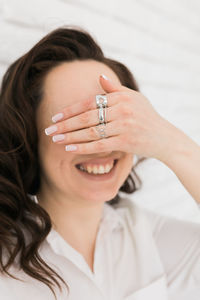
(76, 221)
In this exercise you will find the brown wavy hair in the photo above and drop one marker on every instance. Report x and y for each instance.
(20, 95)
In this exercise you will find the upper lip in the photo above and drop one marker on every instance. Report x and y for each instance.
(98, 160)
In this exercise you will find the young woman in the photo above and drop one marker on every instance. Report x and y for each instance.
(71, 123)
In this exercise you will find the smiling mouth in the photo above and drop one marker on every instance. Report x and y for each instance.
(79, 167)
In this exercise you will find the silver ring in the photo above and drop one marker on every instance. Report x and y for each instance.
(101, 100)
(102, 115)
(101, 130)
(101, 103)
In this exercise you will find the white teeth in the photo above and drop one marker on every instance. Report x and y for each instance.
(94, 170)
(89, 169)
(100, 169)
(107, 169)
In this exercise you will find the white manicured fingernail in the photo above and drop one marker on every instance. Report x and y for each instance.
(70, 148)
(58, 137)
(51, 129)
(57, 117)
(104, 76)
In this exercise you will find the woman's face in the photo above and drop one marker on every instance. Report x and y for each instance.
(67, 84)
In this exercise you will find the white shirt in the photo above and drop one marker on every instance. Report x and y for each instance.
(139, 255)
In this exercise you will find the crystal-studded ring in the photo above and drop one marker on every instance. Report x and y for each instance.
(101, 130)
(101, 100)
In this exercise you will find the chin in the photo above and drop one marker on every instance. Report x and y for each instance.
(100, 196)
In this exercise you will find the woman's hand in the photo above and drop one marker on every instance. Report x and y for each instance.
(133, 126)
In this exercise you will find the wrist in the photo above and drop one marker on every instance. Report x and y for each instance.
(177, 146)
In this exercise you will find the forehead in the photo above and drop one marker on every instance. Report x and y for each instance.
(74, 81)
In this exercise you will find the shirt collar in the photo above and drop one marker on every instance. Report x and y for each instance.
(111, 217)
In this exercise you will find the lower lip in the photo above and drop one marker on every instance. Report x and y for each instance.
(100, 177)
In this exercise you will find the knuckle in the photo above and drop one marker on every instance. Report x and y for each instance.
(117, 95)
(66, 139)
(83, 148)
(92, 133)
(67, 111)
(87, 104)
(62, 127)
(100, 146)
(127, 98)
(125, 139)
(126, 110)
(84, 118)
(126, 122)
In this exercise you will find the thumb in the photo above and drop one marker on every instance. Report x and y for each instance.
(109, 86)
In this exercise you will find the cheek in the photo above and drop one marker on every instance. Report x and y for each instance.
(128, 163)
(125, 167)
(53, 159)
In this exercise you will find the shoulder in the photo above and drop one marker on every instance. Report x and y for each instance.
(160, 225)
(177, 242)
